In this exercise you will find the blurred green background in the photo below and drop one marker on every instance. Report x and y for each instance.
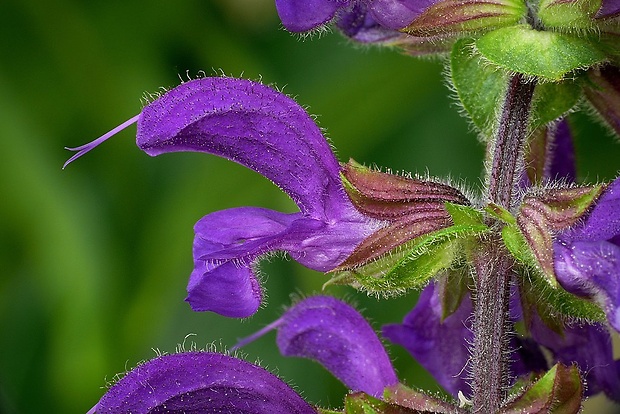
(94, 259)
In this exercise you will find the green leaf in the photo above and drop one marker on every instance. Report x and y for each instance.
(559, 391)
(479, 86)
(547, 55)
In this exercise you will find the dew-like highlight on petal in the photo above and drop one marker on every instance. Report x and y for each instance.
(83, 149)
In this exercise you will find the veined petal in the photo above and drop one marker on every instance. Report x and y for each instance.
(253, 125)
(603, 222)
(228, 244)
(304, 15)
(201, 382)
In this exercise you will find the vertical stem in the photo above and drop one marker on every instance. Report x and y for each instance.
(493, 264)
(507, 151)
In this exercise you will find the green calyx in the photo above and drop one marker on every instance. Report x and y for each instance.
(414, 263)
(559, 391)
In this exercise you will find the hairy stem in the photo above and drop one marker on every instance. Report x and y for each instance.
(507, 149)
(493, 264)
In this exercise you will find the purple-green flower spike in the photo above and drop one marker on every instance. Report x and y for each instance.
(264, 130)
(201, 382)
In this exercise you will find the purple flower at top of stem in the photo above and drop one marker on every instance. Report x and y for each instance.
(389, 15)
(266, 131)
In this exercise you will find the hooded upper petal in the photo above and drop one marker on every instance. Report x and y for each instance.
(587, 257)
(266, 131)
(201, 382)
(253, 125)
(337, 336)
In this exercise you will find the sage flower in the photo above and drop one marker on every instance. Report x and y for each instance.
(268, 132)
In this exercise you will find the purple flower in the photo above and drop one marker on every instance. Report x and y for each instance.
(303, 15)
(439, 346)
(334, 334)
(200, 382)
(589, 346)
(442, 346)
(266, 131)
(587, 256)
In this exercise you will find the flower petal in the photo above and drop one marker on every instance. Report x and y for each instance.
(440, 347)
(562, 162)
(337, 336)
(590, 347)
(253, 125)
(603, 223)
(609, 8)
(201, 382)
(397, 14)
(304, 15)
(591, 269)
(359, 25)
(228, 244)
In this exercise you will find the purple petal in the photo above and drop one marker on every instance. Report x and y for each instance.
(587, 257)
(359, 25)
(562, 162)
(304, 15)
(590, 347)
(609, 8)
(397, 14)
(253, 125)
(228, 244)
(591, 269)
(337, 336)
(201, 382)
(603, 222)
(440, 347)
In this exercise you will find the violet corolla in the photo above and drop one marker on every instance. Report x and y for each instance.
(587, 256)
(264, 130)
(334, 334)
(200, 382)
